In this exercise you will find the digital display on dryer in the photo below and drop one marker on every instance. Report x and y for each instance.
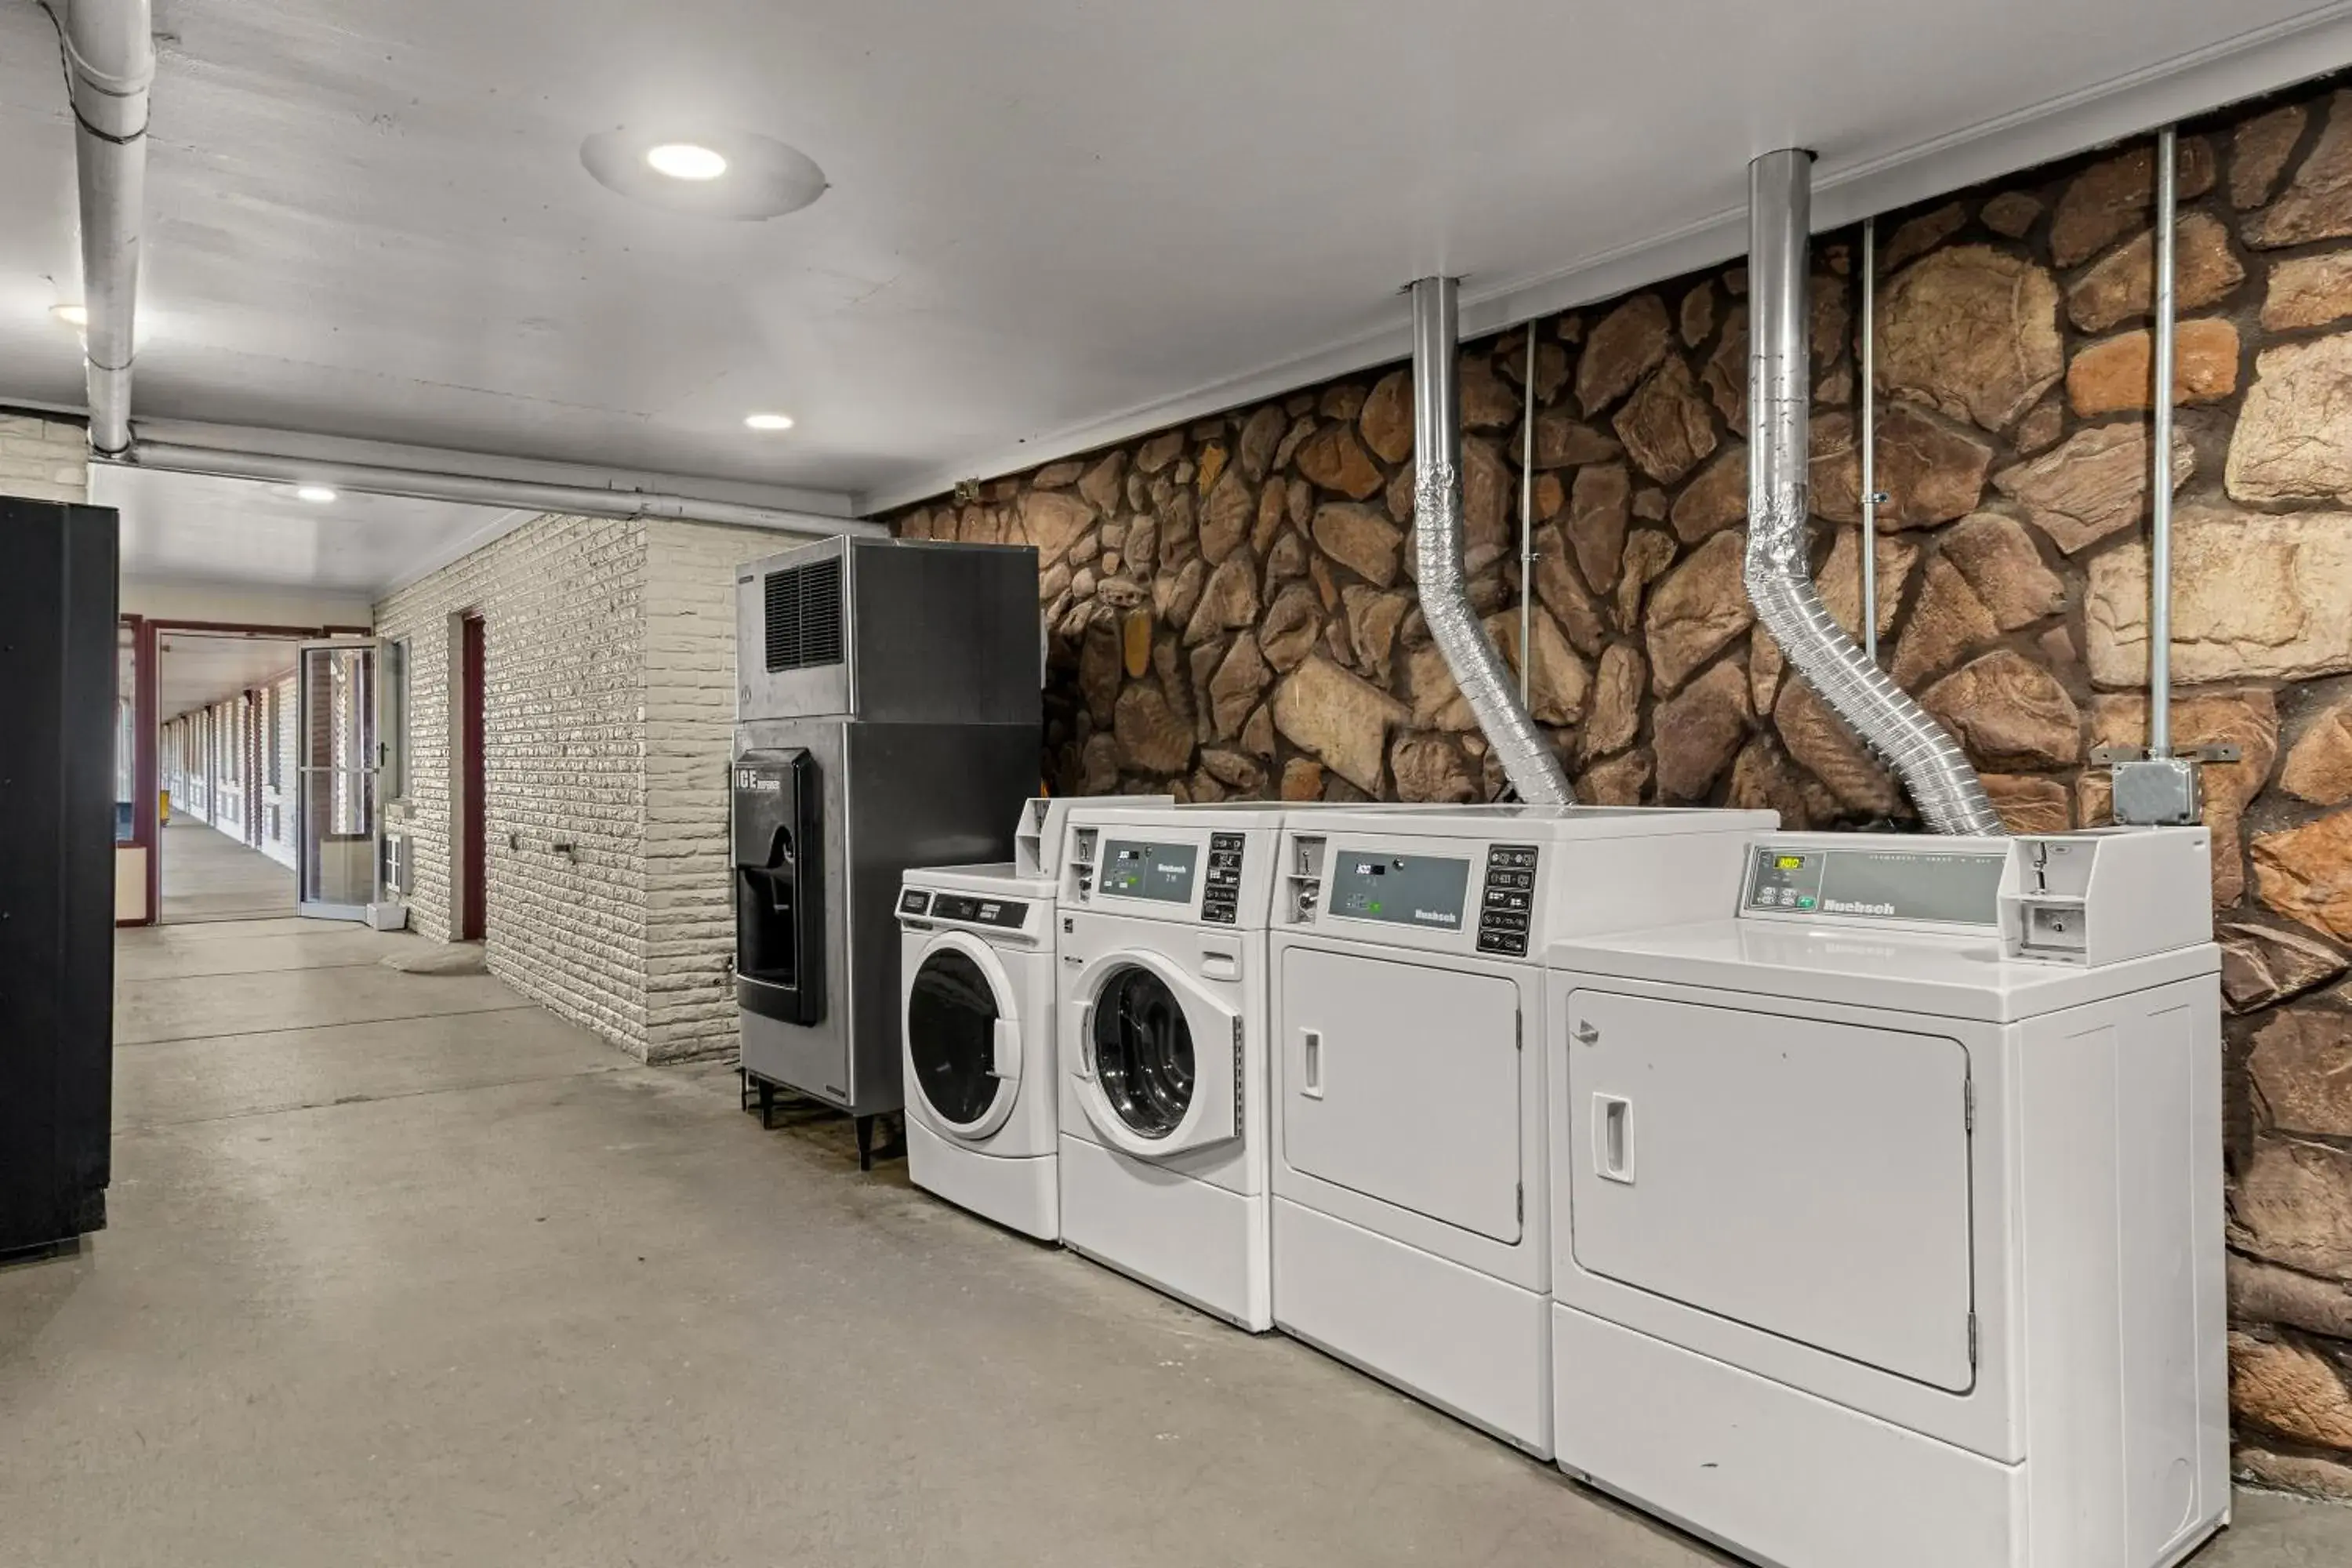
(1426, 890)
(1160, 872)
(1005, 912)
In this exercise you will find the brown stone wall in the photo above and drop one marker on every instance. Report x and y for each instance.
(1232, 606)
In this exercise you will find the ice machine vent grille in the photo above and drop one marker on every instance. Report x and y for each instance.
(805, 615)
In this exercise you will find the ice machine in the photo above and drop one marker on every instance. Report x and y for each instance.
(887, 716)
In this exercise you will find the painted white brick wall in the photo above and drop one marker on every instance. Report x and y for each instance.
(561, 601)
(610, 716)
(43, 459)
(690, 736)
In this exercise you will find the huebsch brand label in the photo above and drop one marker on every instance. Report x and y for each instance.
(1849, 907)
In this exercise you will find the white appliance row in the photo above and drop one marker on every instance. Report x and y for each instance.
(1730, 1213)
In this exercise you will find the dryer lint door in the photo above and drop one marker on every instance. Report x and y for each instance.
(963, 1037)
(1403, 1081)
(1158, 1060)
(1806, 1177)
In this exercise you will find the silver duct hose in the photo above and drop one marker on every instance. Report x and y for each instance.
(1941, 783)
(109, 59)
(1527, 757)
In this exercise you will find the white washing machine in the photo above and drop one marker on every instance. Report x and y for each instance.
(1409, 1167)
(976, 1011)
(1161, 1024)
(1887, 1210)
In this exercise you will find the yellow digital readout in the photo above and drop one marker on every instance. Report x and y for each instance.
(1789, 863)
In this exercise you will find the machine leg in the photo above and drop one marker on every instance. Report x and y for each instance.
(864, 1142)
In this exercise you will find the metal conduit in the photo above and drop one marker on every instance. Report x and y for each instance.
(1941, 783)
(2159, 543)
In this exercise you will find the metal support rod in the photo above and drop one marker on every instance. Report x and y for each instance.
(1869, 370)
(2159, 546)
(1528, 531)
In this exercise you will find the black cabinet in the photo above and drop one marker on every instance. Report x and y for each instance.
(57, 672)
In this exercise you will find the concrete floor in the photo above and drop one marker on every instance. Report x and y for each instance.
(209, 876)
(404, 1272)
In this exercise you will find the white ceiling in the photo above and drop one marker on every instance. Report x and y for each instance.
(194, 670)
(1050, 221)
(191, 529)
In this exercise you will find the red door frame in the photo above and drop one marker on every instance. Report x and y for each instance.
(146, 676)
(475, 923)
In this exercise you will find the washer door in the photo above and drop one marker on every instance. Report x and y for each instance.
(963, 1037)
(1158, 1060)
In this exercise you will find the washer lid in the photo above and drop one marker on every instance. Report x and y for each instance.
(1912, 972)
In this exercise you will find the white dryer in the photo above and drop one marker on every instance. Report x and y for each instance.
(1409, 1171)
(1161, 1022)
(1887, 1210)
(976, 1011)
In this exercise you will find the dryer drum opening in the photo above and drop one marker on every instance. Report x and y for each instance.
(1143, 1052)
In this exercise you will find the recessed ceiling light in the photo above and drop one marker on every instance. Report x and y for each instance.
(71, 315)
(318, 494)
(686, 161)
(703, 171)
(769, 421)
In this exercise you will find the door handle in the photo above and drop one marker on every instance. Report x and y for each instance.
(1005, 1052)
(1310, 1077)
(1086, 1040)
(1612, 1138)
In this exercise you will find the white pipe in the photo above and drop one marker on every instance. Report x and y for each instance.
(1869, 550)
(1527, 758)
(109, 59)
(474, 490)
(2159, 547)
(1778, 574)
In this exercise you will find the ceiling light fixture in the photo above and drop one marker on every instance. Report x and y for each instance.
(769, 421)
(319, 495)
(703, 171)
(71, 315)
(686, 161)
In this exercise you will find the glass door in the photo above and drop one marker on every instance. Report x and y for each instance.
(340, 767)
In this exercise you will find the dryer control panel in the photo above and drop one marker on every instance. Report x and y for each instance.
(1509, 900)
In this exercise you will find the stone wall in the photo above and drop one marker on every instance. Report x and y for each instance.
(1231, 607)
(42, 457)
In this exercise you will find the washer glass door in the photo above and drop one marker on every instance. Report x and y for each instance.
(953, 1016)
(1143, 1053)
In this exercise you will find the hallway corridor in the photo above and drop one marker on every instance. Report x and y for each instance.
(209, 876)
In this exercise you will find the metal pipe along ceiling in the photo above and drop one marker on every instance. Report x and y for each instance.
(520, 495)
(1527, 756)
(109, 59)
(1942, 785)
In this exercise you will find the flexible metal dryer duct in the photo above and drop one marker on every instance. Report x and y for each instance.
(110, 58)
(1527, 757)
(1943, 786)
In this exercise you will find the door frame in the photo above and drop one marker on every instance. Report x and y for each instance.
(147, 675)
(468, 844)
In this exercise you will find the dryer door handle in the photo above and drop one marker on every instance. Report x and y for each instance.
(1310, 1076)
(1612, 1138)
(1086, 1026)
(1006, 1050)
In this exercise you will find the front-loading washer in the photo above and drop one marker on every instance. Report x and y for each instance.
(1161, 1023)
(976, 973)
(1887, 1205)
(1409, 1173)
(976, 1011)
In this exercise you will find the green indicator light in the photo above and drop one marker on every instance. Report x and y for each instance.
(1376, 909)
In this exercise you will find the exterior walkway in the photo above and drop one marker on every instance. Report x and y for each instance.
(404, 1271)
(209, 876)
